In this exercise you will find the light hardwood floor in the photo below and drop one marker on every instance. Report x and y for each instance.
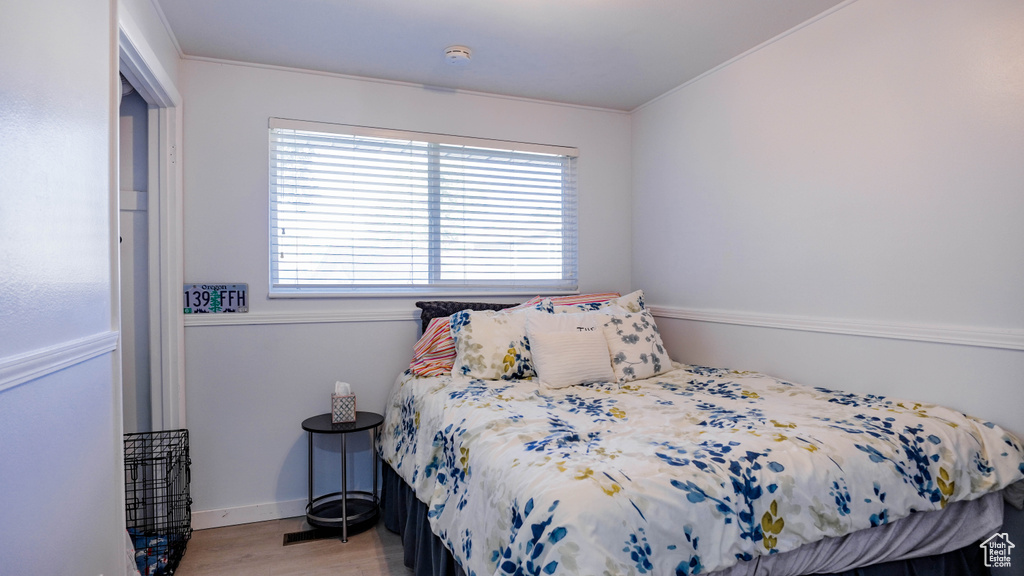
(257, 550)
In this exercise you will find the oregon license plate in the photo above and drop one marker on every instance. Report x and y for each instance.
(216, 298)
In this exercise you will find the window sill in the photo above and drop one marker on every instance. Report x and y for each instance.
(432, 293)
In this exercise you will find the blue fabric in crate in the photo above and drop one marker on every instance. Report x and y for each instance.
(153, 552)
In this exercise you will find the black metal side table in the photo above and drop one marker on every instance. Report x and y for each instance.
(356, 510)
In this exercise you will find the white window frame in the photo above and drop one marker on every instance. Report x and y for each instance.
(568, 284)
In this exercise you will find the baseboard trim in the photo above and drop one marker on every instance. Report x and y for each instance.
(253, 319)
(21, 368)
(984, 337)
(247, 514)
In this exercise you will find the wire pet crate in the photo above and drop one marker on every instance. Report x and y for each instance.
(158, 505)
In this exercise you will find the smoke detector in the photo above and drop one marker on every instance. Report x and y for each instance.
(457, 55)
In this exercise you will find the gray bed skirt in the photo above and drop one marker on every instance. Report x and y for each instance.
(426, 555)
(406, 516)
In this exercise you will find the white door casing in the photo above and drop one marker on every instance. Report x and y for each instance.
(143, 70)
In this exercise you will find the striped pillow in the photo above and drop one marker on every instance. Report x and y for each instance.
(583, 298)
(434, 352)
(632, 302)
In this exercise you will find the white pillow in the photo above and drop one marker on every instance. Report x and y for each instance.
(575, 322)
(564, 359)
(635, 346)
(634, 301)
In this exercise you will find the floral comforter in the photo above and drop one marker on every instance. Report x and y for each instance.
(685, 473)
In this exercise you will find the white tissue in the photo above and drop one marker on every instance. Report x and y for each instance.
(342, 388)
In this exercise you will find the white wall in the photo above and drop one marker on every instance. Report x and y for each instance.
(61, 481)
(867, 168)
(250, 386)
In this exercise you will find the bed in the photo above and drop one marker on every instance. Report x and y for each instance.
(693, 470)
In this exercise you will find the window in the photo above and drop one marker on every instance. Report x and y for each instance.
(357, 210)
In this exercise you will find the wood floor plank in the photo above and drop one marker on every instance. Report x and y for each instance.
(257, 550)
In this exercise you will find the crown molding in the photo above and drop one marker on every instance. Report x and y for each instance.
(745, 54)
(310, 71)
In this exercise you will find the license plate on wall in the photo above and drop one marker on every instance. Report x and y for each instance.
(216, 298)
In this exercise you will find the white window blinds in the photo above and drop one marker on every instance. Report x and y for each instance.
(363, 210)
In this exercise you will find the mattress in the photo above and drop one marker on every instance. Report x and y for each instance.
(694, 471)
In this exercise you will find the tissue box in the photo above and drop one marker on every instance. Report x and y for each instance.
(343, 408)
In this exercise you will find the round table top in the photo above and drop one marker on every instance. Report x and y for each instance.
(321, 424)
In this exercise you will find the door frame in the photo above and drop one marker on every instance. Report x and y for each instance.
(139, 64)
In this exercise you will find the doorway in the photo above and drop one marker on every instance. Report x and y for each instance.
(134, 242)
(156, 241)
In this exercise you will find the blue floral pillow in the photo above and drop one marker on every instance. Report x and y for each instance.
(635, 346)
(492, 345)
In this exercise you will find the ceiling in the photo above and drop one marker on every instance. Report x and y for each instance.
(604, 53)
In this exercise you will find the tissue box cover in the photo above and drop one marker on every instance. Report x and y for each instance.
(343, 408)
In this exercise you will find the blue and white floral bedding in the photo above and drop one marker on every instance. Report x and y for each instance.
(685, 473)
